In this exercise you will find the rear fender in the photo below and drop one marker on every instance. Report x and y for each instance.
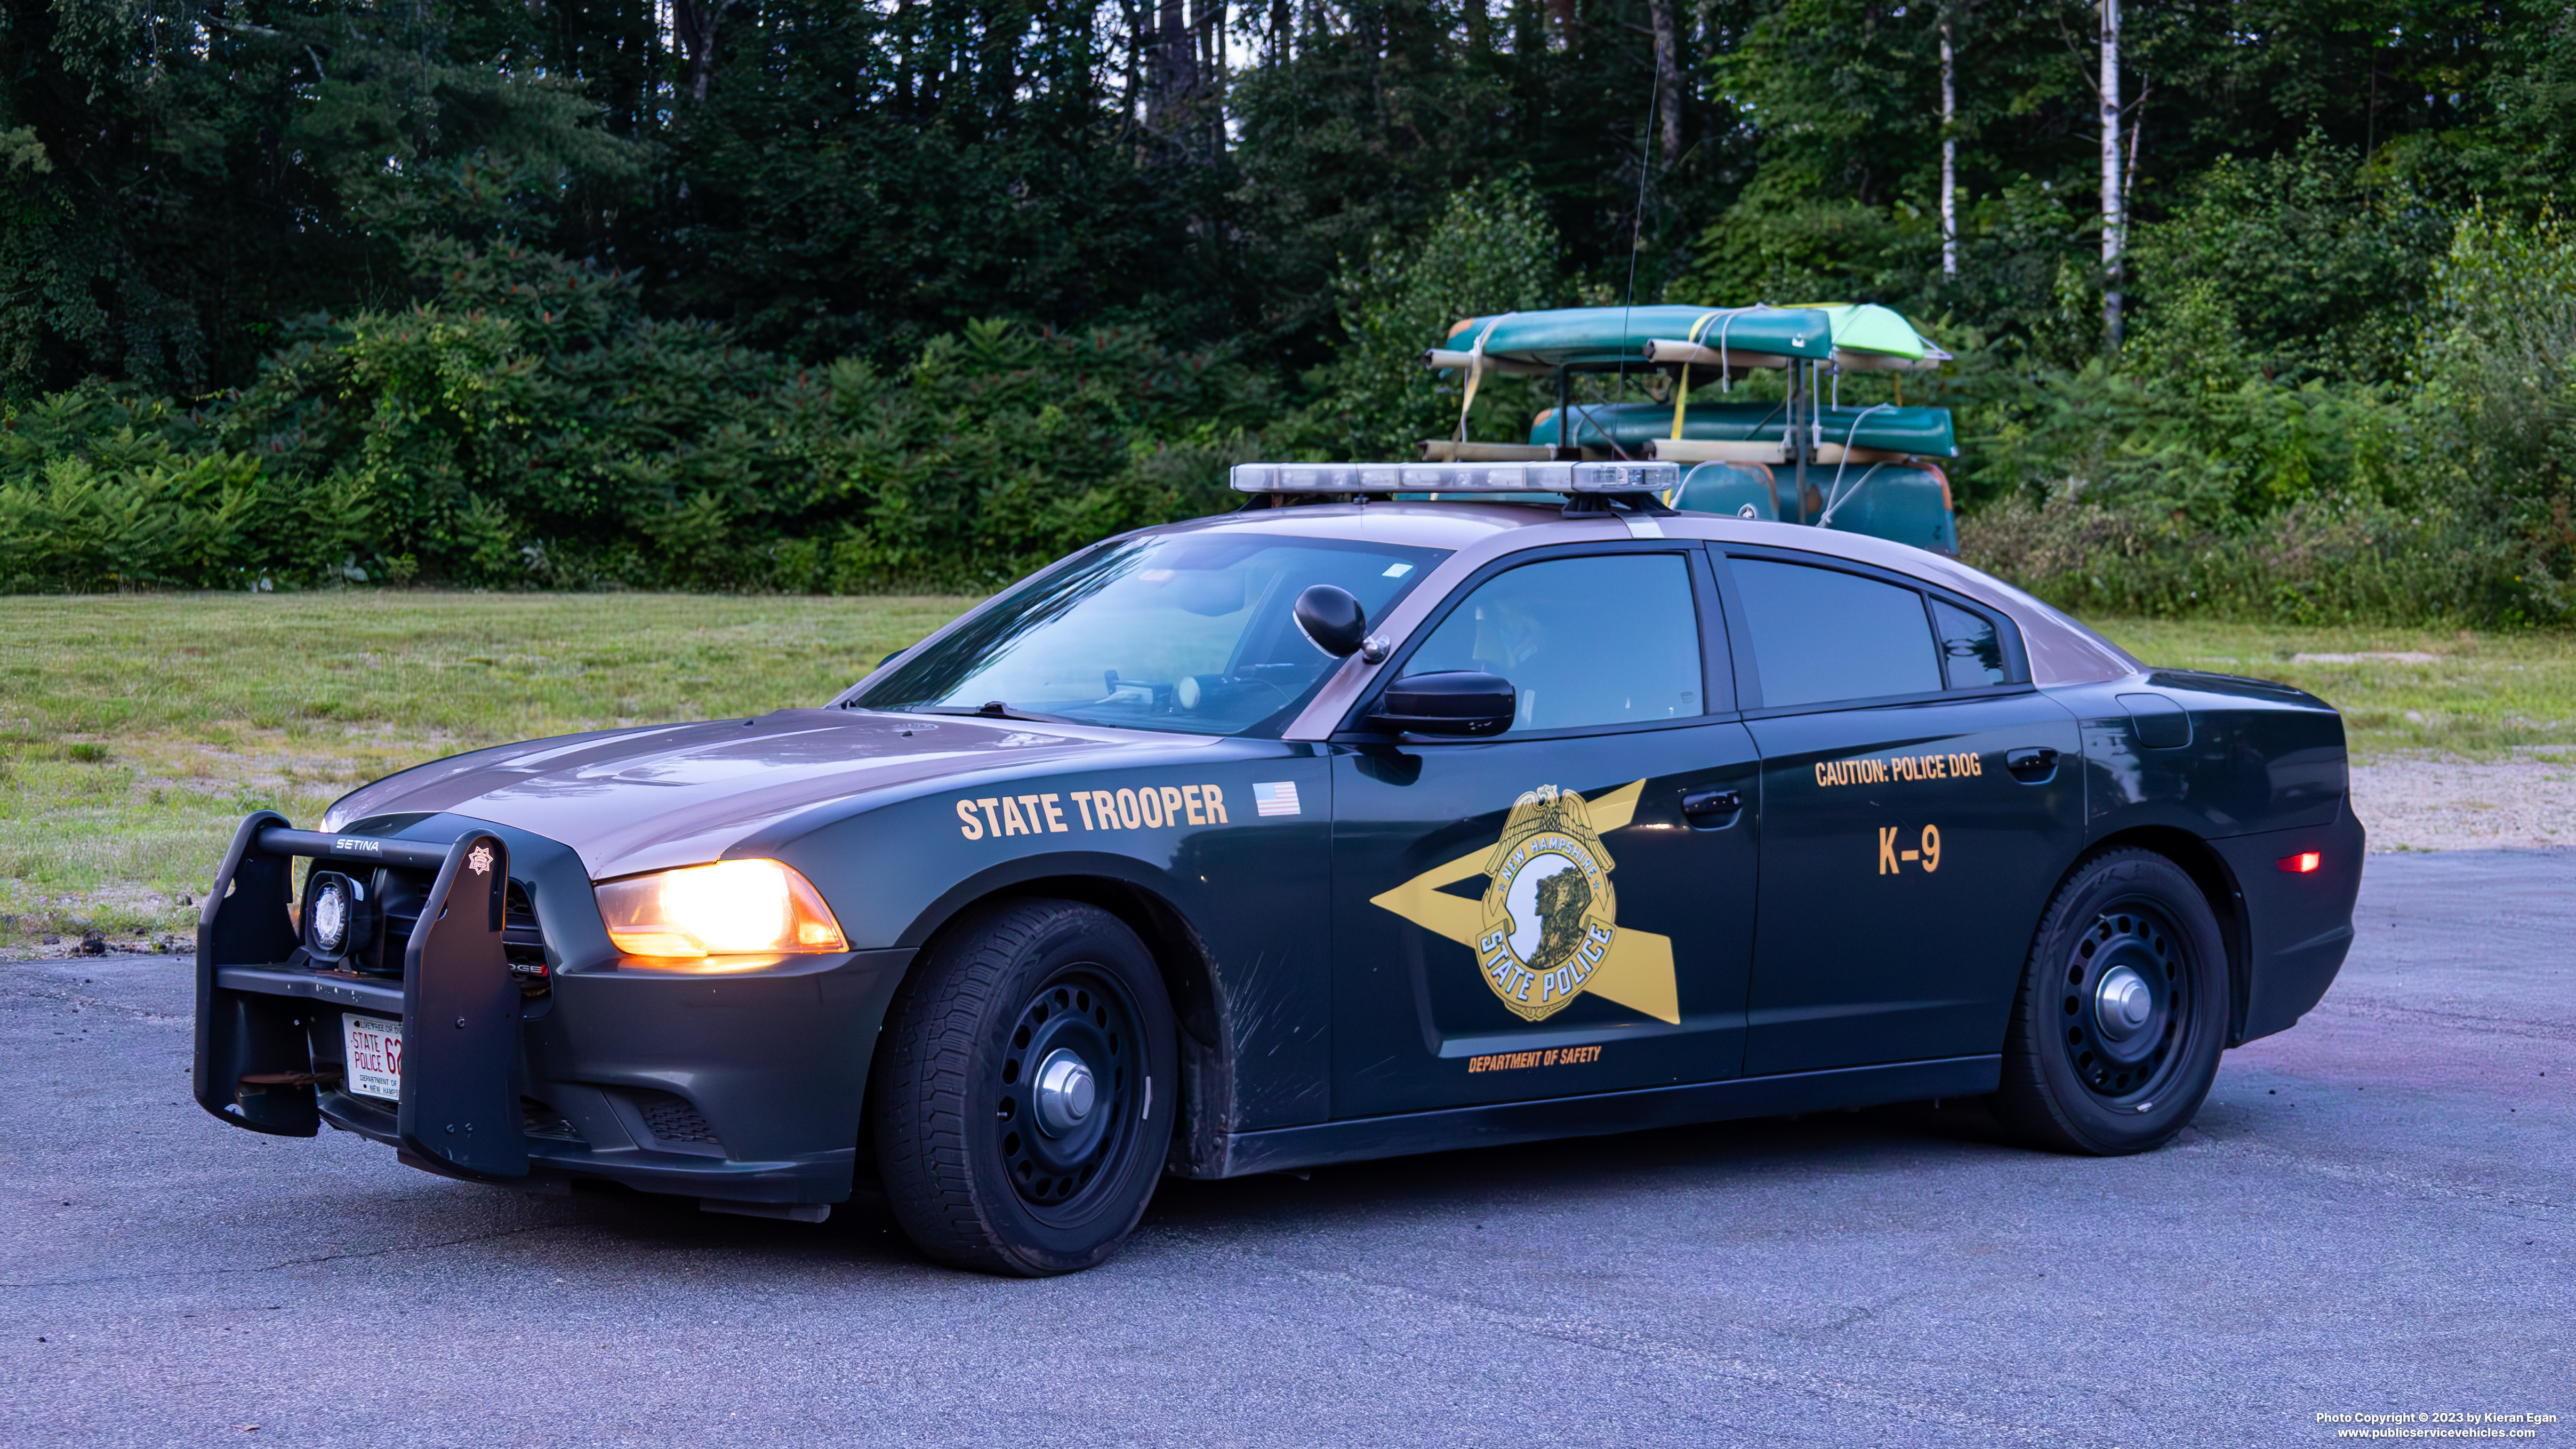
(2210, 871)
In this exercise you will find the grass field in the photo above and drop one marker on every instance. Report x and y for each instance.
(2475, 696)
(135, 731)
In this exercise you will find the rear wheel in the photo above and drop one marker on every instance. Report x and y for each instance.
(1023, 1090)
(2122, 1013)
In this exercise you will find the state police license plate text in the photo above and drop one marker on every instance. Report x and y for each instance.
(374, 1056)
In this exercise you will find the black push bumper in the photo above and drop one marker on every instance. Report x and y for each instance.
(738, 1086)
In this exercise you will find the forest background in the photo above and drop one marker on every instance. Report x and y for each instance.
(863, 297)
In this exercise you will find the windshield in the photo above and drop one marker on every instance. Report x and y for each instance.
(1187, 632)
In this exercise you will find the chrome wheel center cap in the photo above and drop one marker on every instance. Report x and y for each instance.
(1066, 1092)
(2123, 1002)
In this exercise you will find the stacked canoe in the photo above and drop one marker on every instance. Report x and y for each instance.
(1535, 342)
(1893, 432)
(1884, 500)
(1869, 469)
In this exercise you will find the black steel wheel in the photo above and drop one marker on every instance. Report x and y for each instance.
(1023, 1089)
(1066, 1085)
(2122, 1013)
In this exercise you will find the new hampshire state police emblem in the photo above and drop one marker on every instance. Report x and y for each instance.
(1550, 911)
(1547, 929)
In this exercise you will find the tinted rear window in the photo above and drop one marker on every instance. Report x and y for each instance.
(1821, 635)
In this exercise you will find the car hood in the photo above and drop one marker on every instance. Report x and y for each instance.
(672, 795)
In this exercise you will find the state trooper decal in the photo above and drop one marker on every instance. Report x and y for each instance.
(1547, 929)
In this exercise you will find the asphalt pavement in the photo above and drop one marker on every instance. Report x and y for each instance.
(2372, 1215)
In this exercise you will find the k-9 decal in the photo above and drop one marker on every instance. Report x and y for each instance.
(1924, 853)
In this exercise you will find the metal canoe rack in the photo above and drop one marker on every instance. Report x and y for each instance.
(1811, 346)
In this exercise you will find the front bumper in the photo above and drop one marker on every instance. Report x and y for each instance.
(743, 1085)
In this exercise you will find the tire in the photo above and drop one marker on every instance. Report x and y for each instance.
(984, 1166)
(2084, 1071)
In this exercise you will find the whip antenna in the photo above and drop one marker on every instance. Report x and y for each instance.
(1636, 235)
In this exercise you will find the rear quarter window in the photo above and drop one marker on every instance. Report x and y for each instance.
(1970, 647)
(1821, 635)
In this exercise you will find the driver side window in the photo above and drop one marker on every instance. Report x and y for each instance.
(1585, 641)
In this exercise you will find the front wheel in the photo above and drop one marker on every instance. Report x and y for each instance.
(2122, 1013)
(1024, 1090)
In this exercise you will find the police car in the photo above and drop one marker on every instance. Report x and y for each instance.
(1378, 817)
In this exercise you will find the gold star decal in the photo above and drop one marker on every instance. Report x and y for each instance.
(1635, 968)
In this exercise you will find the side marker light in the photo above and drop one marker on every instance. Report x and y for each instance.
(2303, 863)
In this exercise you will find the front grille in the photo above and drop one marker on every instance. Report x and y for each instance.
(536, 1119)
(671, 1119)
(400, 895)
(522, 939)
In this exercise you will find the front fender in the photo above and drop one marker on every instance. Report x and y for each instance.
(1250, 888)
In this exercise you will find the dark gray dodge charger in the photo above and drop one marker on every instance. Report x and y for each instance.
(1356, 823)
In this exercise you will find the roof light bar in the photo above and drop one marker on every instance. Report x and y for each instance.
(1456, 477)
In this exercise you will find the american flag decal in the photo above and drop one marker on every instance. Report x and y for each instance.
(1279, 798)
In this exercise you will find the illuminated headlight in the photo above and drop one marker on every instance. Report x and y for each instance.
(731, 908)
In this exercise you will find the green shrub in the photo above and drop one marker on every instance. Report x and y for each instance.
(2190, 479)
(1493, 250)
(532, 427)
(95, 493)
(2311, 563)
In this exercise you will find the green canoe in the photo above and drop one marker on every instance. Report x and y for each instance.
(1905, 505)
(1925, 431)
(1868, 327)
(1578, 335)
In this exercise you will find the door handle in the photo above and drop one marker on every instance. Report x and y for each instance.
(1712, 809)
(2032, 765)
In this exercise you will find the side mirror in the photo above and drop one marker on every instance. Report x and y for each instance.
(1452, 702)
(1333, 619)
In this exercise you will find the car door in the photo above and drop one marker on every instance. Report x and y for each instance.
(1535, 913)
(1919, 800)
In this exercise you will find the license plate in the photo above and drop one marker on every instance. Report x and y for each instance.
(374, 1056)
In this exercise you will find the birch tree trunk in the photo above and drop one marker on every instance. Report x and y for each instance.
(2114, 211)
(695, 21)
(1211, 86)
(1175, 67)
(1949, 153)
(1668, 80)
